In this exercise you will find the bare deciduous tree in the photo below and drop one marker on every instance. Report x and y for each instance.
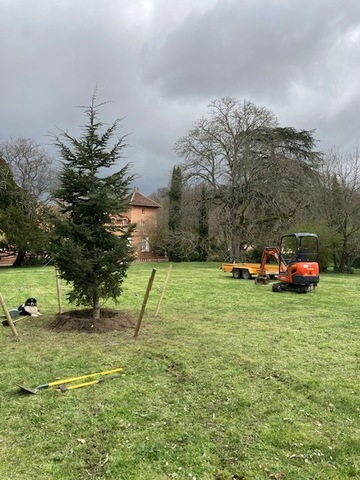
(253, 167)
(32, 167)
(339, 197)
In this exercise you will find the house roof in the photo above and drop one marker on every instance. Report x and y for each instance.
(138, 200)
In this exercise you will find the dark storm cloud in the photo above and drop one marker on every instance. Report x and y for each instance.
(256, 47)
(160, 63)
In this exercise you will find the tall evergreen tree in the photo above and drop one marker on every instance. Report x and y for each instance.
(175, 194)
(87, 252)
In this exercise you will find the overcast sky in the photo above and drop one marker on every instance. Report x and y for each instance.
(161, 62)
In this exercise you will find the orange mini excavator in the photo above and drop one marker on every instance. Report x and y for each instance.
(297, 258)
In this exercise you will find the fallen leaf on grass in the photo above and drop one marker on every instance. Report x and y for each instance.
(277, 476)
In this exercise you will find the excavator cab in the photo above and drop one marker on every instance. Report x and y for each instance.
(298, 268)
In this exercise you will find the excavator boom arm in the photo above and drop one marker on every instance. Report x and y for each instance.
(271, 252)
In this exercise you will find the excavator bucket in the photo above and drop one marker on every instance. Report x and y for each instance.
(262, 280)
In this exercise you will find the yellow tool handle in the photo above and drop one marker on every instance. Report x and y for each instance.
(73, 379)
(64, 388)
(79, 385)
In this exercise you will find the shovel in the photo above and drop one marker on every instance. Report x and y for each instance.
(67, 380)
(13, 314)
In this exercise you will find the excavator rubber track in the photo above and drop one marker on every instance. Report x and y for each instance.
(290, 287)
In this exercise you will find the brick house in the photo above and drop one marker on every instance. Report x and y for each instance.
(143, 212)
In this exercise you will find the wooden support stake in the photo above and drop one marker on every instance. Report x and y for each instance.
(163, 291)
(8, 317)
(151, 281)
(58, 289)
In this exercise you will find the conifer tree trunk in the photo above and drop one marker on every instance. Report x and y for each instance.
(96, 307)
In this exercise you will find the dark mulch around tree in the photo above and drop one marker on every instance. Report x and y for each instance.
(82, 321)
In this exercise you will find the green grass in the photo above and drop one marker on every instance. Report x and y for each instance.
(231, 381)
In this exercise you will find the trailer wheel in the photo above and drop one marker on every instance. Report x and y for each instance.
(236, 273)
(245, 274)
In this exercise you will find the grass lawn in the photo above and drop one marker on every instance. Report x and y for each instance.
(230, 382)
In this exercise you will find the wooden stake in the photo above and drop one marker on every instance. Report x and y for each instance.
(58, 289)
(8, 317)
(163, 291)
(151, 281)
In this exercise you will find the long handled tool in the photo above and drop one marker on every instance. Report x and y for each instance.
(67, 380)
(64, 388)
(8, 318)
(14, 315)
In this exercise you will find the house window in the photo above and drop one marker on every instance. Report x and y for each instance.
(143, 211)
(145, 245)
(119, 220)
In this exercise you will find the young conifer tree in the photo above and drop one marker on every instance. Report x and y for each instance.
(86, 250)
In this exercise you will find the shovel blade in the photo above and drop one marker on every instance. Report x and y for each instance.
(27, 390)
(262, 280)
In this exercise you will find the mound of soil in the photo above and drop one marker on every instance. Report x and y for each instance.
(82, 321)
